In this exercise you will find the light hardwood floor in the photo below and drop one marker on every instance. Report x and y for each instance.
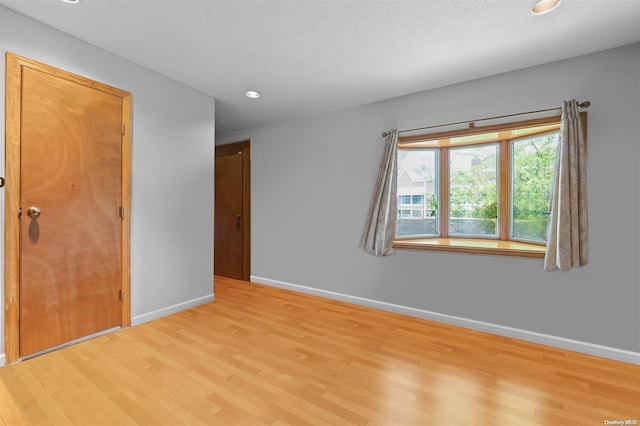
(266, 356)
(9, 413)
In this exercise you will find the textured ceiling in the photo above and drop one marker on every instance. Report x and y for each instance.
(309, 57)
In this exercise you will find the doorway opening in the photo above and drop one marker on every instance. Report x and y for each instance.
(232, 223)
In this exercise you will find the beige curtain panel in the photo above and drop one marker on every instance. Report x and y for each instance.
(567, 231)
(380, 227)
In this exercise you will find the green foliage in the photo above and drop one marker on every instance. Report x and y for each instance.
(432, 203)
(474, 191)
(487, 211)
(534, 161)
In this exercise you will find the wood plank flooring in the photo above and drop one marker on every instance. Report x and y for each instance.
(9, 413)
(265, 356)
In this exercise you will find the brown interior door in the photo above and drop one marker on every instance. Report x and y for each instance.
(70, 225)
(228, 250)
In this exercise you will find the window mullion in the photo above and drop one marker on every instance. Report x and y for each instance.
(504, 203)
(444, 192)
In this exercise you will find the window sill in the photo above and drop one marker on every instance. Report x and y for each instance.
(474, 246)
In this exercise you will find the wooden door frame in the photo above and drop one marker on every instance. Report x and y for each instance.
(13, 85)
(245, 148)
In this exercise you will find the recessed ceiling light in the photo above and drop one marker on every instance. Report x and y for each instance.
(71, 1)
(252, 94)
(544, 6)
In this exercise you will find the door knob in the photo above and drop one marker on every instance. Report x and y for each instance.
(33, 212)
(238, 223)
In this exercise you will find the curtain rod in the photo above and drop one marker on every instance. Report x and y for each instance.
(471, 123)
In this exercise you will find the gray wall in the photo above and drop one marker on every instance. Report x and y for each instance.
(172, 168)
(312, 180)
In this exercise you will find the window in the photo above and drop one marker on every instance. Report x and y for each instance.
(408, 200)
(484, 190)
(416, 182)
(473, 191)
(532, 164)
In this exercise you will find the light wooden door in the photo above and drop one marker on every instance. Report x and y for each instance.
(232, 247)
(70, 214)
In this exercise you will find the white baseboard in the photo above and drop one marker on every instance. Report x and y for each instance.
(3, 360)
(159, 313)
(529, 336)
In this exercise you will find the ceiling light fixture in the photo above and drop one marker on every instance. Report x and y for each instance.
(252, 94)
(544, 6)
(71, 1)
